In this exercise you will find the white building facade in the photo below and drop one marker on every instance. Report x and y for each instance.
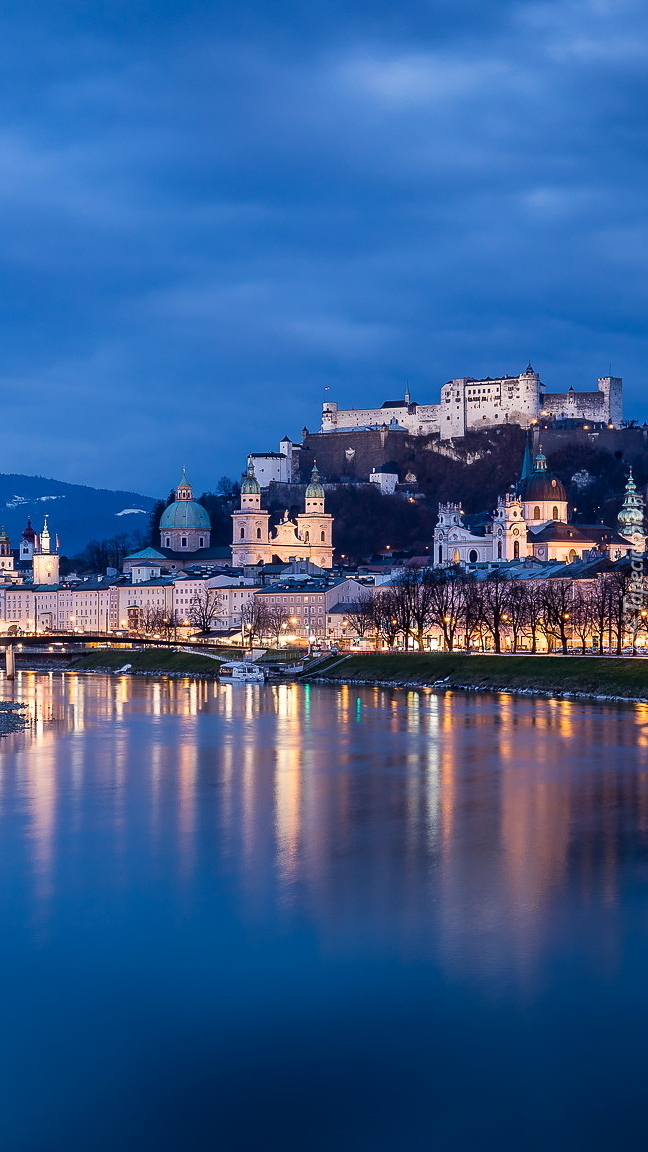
(467, 404)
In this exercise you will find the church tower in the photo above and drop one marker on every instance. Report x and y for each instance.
(250, 524)
(314, 525)
(631, 516)
(27, 542)
(46, 559)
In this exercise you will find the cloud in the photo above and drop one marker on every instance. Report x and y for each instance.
(201, 212)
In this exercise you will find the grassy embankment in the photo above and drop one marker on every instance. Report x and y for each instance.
(165, 660)
(152, 660)
(594, 676)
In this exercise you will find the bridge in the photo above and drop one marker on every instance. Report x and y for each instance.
(65, 644)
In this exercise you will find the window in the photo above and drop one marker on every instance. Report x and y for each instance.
(472, 556)
(168, 542)
(536, 513)
(554, 513)
(183, 541)
(258, 533)
(455, 556)
(440, 553)
(499, 549)
(242, 533)
(306, 537)
(201, 542)
(323, 537)
(516, 549)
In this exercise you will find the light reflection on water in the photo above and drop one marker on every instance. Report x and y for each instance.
(481, 843)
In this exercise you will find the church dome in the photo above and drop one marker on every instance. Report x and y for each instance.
(185, 514)
(315, 491)
(28, 533)
(250, 485)
(543, 485)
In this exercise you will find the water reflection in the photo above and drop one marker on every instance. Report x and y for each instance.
(449, 824)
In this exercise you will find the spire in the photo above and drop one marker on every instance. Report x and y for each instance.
(631, 516)
(408, 398)
(529, 369)
(184, 490)
(527, 460)
(541, 461)
(45, 538)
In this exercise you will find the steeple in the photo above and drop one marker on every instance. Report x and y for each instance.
(540, 461)
(408, 398)
(184, 491)
(527, 461)
(631, 516)
(45, 540)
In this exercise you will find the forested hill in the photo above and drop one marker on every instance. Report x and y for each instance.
(76, 513)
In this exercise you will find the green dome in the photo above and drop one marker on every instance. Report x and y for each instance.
(185, 514)
(250, 484)
(315, 490)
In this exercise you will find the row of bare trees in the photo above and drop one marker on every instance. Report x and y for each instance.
(499, 611)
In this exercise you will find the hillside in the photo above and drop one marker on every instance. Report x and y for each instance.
(77, 513)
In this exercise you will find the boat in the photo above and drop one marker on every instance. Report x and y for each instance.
(242, 670)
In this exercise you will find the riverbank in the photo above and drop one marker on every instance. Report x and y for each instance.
(594, 677)
(146, 662)
(12, 718)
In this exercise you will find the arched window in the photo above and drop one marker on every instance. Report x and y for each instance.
(455, 556)
(536, 513)
(516, 549)
(258, 533)
(242, 533)
(307, 537)
(499, 549)
(167, 543)
(323, 537)
(472, 556)
(440, 553)
(554, 512)
(572, 555)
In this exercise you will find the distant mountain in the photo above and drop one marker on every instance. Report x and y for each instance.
(76, 513)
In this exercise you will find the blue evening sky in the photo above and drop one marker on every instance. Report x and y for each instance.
(211, 211)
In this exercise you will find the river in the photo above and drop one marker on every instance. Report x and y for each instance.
(315, 918)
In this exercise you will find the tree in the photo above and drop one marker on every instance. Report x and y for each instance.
(277, 617)
(204, 607)
(496, 596)
(557, 602)
(446, 603)
(255, 623)
(361, 614)
(385, 619)
(583, 613)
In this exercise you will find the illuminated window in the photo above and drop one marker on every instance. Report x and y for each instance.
(554, 514)
(536, 513)
(516, 550)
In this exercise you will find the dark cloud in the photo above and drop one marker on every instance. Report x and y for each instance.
(208, 212)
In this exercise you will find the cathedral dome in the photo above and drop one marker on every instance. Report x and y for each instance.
(185, 514)
(315, 491)
(543, 485)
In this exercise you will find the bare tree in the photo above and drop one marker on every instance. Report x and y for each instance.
(583, 613)
(204, 608)
(385, 618)
(277, 618)
(447, 602)
(557, 603)
(496, 595)
(360, 614)
(255, 623)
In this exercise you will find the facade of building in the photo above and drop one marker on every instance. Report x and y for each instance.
(529, 522)
(467, 404)
(276, 467)
(307, 601)
(308, 537)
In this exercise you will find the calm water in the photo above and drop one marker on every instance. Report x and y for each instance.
(313, 918)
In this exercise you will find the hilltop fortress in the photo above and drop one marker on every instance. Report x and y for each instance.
(467, 405)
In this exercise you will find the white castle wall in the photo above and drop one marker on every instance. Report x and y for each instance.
(467, 405)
